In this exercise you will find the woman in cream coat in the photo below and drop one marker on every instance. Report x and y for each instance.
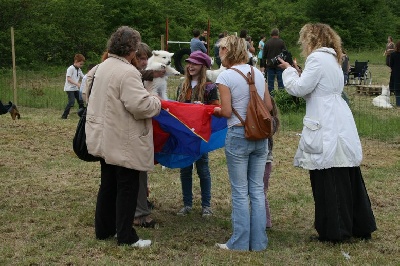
(329, 145)
(119, 130)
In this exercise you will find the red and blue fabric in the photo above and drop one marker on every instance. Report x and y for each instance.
(184, 131)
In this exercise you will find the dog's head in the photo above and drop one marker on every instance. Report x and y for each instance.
(163, 57)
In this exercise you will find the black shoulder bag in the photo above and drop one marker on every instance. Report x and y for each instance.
(79, 141)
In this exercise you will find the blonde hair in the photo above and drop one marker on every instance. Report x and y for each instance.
(187, 85)
(314, 36)
(236, 51)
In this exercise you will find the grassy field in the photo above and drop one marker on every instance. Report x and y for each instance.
(48, 200)
(48, 196)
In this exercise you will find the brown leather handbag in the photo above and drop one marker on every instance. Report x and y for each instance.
(259, 122)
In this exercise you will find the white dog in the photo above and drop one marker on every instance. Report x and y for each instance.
(213, 74)
(158, 61)
(383, 100)
(254, 59)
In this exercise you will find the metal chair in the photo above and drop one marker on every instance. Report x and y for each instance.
(359, 74)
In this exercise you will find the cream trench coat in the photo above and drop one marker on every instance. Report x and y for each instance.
(118, 121)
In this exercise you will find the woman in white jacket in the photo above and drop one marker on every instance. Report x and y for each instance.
(329, 146)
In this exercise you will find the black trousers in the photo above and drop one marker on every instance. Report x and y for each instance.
(116, 203)
(342, 205)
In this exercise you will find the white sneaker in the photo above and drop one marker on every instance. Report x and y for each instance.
(222, 246)
(142, 243)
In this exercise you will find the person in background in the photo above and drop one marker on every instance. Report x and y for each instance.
(119, 130)
(251, 55)
(345, 67)
(268, 165)
(260, 53)
(216, 50)
(245, 159)
(249, 44)
(83, 83)
(196, 44)
(9, 108)
(394, 84)
(143, 210)
(272, 48)
(82, 88)
(72, 84)
(389, 49)
(203, 37)
(329, 147)
(195, 88)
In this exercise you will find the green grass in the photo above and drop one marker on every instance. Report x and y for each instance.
(48, 196)
(48, 199)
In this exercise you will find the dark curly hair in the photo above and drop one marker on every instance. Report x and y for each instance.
(123, 41)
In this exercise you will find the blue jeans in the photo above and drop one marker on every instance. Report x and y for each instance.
(246, 164)
(271, 73)
(72, 96)
(203, 172)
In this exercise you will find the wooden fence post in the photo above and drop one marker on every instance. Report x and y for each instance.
(162, 42)
(14, 69)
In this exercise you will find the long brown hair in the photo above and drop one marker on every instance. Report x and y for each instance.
(187, 85)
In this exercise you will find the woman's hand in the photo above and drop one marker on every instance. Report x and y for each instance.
(217, 111)
(159, 73)
(283, 64)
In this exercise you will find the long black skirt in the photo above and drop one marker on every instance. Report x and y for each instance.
(342, 205)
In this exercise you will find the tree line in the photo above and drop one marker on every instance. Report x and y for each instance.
(52, 31)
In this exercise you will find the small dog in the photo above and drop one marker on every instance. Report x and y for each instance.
(254, 59)
(158, 61)
(213, 74)
(383, 100)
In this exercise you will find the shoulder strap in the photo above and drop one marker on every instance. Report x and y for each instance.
(250, 81)
(91, 83)
(241, 73)
(250, 76)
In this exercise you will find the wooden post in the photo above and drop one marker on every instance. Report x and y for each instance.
(166, 33)
(162, 42)
(14, 69)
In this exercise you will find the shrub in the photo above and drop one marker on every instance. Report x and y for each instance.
(288, 103)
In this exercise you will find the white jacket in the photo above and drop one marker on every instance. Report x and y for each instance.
(329, 137)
